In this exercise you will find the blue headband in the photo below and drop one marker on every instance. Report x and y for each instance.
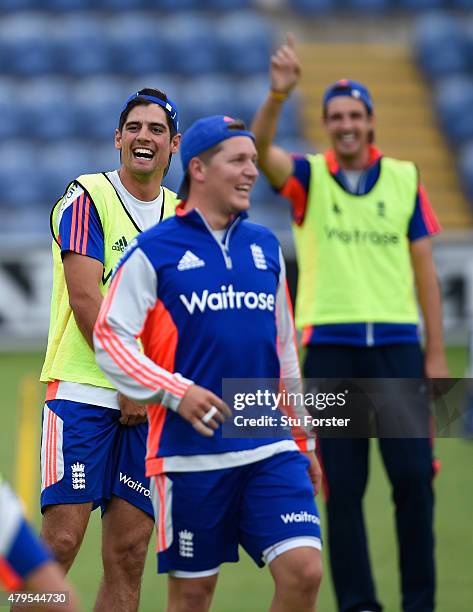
(168, 106)
(348, 87)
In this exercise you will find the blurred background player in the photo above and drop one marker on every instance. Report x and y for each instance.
(93, 440)
(362, 227)
(25, 564)
(167, 291)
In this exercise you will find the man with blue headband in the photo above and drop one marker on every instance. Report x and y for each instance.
(362, 226)
(93, 438)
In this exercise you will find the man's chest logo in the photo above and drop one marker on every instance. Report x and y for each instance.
(189, 261)
(258, 257)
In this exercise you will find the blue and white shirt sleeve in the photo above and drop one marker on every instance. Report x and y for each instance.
(80, 229)
(287, 346)
(131, 298)
(288, 356)
(21, 551)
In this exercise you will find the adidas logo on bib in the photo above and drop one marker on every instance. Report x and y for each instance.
(189, 261)
(120, 245)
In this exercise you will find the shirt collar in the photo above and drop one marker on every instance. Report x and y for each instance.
(180, 212)
(332, 163)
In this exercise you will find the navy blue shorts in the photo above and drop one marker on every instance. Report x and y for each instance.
(88, 456)
(267, 507)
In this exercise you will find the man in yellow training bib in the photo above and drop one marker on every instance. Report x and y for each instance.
(362, 225)
(94, 439)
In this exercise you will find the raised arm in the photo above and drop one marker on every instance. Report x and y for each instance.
(276, 164)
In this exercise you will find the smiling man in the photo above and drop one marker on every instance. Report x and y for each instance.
(362, 227)
(94, 439)
(211, 492)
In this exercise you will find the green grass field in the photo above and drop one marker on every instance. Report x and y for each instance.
(245, 588)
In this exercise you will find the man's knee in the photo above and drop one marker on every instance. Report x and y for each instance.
(65, 543)
(126, 534)
(304, 579)
(63, 529)
(298, 573)
(191, 595)
(126, 554)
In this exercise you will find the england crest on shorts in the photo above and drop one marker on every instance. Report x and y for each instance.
(78, 475)
(186, 543)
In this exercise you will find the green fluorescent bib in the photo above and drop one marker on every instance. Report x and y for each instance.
(353, 251)
(68, 356)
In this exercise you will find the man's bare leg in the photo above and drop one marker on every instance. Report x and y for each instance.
(297, 574)
(126, 531)
(63, 530)
(190, 594)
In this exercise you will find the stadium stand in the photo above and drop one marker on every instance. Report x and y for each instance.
(211, 92)
(120, 5)
(140, 51)
(11, 123)
(44, 114)
(25, 48)
(421, 5)
(454, 100)
(16, 5)
(245, 44)
(67, 65)
(440, 31)
(369, 6)
(228, 5)
(313, 7)
(466, 168)
(17, 155)
(81, 47)
(443, 48)
(98, 104)
(191, 43)
(69, 6)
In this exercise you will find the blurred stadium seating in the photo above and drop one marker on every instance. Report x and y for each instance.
(67, 65)
(443, 45)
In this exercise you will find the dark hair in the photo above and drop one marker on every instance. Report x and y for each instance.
(147, 91)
